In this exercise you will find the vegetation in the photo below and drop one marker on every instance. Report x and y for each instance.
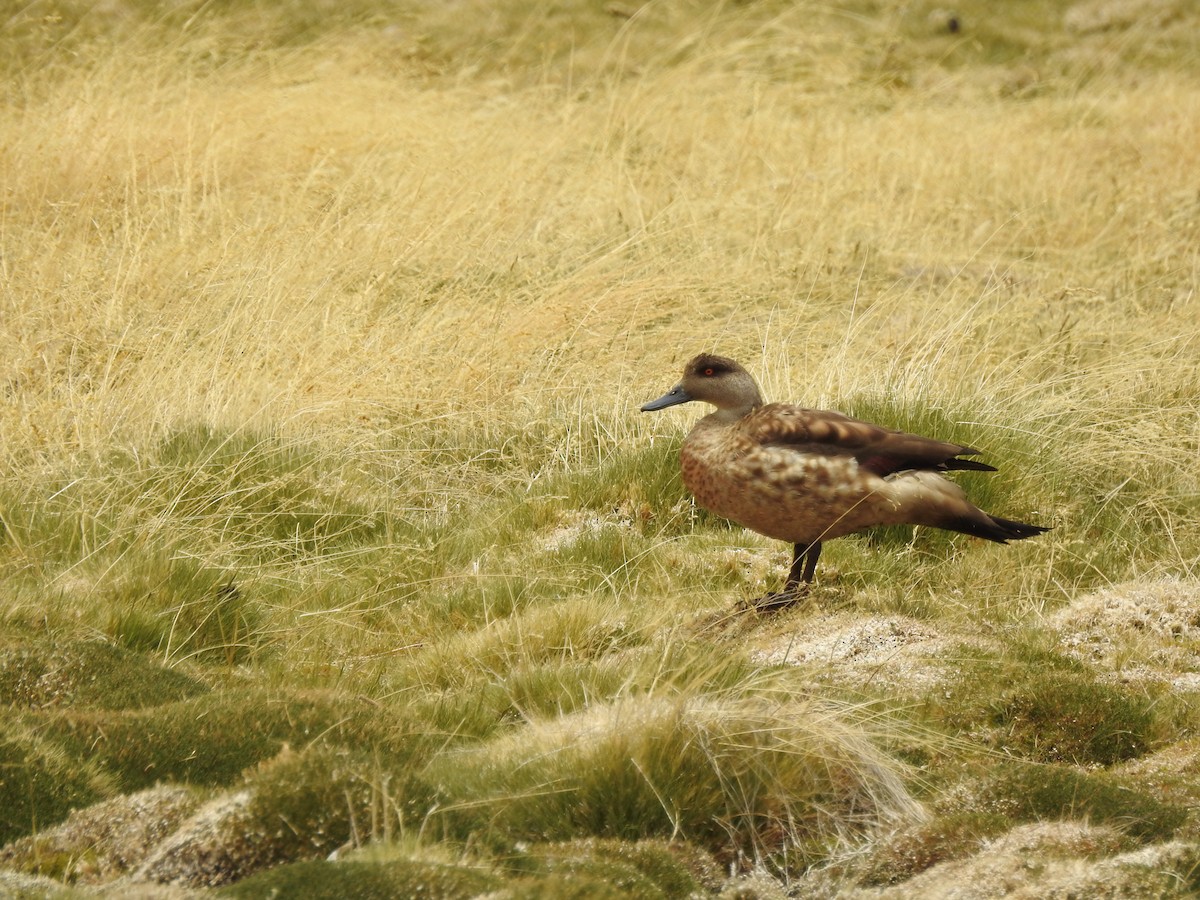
(334, 552)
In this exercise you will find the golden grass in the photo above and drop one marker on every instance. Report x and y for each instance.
(309, 242)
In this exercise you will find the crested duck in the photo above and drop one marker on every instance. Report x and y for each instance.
(807, 476)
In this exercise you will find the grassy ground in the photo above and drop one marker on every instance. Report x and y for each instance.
(328, 523)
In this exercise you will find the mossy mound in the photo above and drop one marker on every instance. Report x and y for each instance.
(295, 807)
(1046, 859)
(1074, 719)
(16, 886)
(320, 880)
(206, 740)
(591, 869)
(1040, 704)
(105, 840)
(43, 673)
(1036, 792)
(917, 847)
(650, 869)
(39, 783)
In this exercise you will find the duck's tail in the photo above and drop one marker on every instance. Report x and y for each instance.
(994, 528)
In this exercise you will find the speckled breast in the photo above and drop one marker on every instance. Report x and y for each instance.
(778, 492)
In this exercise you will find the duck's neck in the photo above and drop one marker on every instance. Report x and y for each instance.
(730, 415)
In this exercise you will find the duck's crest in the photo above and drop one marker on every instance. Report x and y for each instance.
(710, 364)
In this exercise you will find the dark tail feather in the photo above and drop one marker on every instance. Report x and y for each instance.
(968, 465)
(996, 529)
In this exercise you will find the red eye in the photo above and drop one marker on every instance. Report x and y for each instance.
(710, 371)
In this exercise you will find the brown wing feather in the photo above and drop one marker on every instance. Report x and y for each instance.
(877, 449)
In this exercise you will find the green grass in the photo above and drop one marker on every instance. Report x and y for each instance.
(368, 880)
(42, 782)
(730, 778)
(1032, 793)
(1044, 706)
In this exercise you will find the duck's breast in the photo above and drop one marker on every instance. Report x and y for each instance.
(784, 493)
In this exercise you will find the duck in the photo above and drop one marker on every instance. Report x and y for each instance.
(807, 476)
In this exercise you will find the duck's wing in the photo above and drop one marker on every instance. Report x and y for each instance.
(877, 449)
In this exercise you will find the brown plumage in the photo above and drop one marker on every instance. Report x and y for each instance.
(806, 476)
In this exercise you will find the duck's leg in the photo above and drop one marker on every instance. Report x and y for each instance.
(800, 576)
(811, 553)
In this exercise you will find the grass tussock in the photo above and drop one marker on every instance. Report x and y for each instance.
(729, 776)
(42, 781)
(324, 497)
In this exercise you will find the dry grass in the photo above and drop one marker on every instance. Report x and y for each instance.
(302, 239)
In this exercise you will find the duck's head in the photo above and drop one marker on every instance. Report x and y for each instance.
(713, 379)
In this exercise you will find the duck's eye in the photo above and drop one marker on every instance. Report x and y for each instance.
(710, 371)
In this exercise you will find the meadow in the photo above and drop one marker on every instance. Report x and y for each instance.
(336, 559)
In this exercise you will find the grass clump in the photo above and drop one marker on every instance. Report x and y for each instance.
(260, 491)
(1024, 793)
(42, 673)
(724, 774)
(40, 783)
(306, 805)
(181, 610)
(1044, 705)
(367, 880)
(566, 632)
(206, 740)
(1075, 720)
(917, 847)
(645, 868)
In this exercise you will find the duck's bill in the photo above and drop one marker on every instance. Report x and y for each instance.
(672, 397)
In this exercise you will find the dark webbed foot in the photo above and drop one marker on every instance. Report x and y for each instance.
(800, 576)
(777, 600)
(795, 589)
